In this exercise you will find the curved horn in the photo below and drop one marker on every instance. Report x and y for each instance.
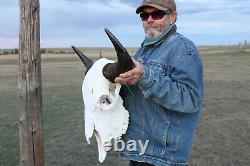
(86, 61)
(123, 56)
(124, 64)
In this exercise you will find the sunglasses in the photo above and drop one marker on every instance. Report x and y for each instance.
(155, 15)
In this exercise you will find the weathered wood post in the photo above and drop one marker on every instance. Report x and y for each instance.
(29, 85)
(100, 54)
(245, 44)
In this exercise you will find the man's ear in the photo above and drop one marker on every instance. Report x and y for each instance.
(173, 17)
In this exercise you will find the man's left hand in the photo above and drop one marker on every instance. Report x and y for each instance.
(133, 76)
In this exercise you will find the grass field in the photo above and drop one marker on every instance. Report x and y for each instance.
(223, 135)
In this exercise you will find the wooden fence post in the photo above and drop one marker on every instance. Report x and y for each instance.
(245, 45)
(29, 85)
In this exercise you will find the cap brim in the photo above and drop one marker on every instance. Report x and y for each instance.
(140, 8)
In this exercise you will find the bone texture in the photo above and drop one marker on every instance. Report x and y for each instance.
(105, 116)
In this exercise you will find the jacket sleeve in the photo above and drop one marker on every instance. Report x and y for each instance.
(182, 89)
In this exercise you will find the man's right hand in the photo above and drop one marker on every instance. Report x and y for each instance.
(133, 76)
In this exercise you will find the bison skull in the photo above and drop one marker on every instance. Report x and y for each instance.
(105, 115)
(104, 112)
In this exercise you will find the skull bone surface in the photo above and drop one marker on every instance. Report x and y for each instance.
(105, 116)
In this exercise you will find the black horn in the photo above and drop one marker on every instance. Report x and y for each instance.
(124, 64)
(86, 61)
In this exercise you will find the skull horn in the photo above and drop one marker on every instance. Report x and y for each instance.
(124, 64)
(86, 61)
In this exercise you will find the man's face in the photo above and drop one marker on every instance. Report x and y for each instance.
(154, 28)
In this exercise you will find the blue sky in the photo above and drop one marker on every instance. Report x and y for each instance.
(81, 22)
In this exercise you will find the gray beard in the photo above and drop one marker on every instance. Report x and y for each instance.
(157, 31)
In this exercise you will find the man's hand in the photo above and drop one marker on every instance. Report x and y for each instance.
(133, 76)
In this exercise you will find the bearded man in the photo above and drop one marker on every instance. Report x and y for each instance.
(164, 92)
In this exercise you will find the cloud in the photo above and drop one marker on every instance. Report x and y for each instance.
(86, 16)
(133, 3)
(64, 22)
(214, 22)
(205, 6)
(75, 20)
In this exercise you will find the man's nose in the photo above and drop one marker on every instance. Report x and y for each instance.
(150, 19)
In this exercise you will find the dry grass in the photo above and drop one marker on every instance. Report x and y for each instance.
(222, 136)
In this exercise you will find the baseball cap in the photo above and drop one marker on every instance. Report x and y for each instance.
(159, 4)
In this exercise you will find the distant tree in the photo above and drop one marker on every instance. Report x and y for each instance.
(43, 51)
(5, 53)
(15, 51)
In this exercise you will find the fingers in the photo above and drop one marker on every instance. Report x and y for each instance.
(127, 74)
(128, 80)
(133, 76)
(130, 77)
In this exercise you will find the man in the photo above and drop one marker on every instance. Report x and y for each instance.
(164, 92)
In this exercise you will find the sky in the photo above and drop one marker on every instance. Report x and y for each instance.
(82, 22)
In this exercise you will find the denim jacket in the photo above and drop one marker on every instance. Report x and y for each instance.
(165, 105)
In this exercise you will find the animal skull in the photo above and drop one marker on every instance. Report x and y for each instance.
(105, 115)
(104, 112)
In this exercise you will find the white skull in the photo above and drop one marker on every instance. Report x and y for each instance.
(105, 115)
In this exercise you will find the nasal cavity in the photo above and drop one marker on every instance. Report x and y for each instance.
(105, 100)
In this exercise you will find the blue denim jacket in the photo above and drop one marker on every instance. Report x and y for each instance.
(165, 105)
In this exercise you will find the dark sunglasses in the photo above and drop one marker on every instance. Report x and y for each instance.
(156, 15)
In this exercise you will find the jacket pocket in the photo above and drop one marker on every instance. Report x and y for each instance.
(170, 136)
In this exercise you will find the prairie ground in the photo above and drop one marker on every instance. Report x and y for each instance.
(222, 137)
